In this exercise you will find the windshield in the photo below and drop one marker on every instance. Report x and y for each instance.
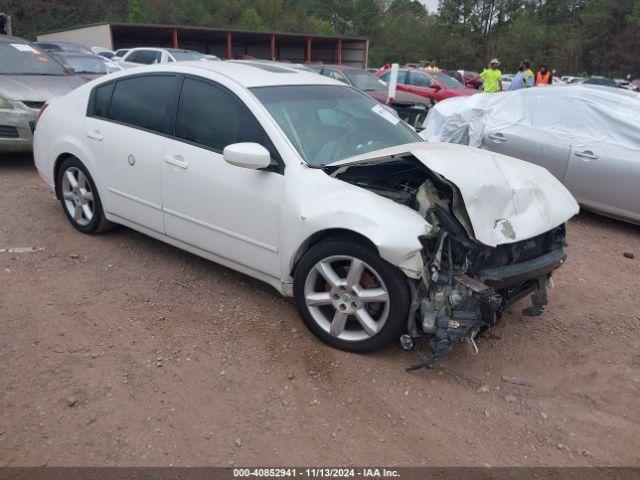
(328, 123)
(444, 79)
(85, 64)
(365, 81)
(186, 56)
(23, 59)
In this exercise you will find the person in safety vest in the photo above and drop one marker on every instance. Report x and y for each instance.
(492, 77)
(524, 77)
(543, 77)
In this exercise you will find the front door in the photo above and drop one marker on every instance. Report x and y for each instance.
(125, 141)
(229, 211)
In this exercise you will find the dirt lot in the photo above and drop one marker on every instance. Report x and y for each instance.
(119, 350)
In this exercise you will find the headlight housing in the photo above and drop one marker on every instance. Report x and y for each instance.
(4, 103)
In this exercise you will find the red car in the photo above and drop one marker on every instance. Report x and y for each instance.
(427, 84)
(470, 78)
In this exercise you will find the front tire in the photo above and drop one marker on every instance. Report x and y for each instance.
(79, 197)
(349, 297)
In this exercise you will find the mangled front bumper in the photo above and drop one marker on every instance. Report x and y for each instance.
(453, 305)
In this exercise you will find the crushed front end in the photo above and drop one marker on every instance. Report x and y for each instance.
(465, 285)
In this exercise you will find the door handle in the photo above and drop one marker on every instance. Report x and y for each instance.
(586, 154)
(177, 161)
(95, 134)
(498, 137)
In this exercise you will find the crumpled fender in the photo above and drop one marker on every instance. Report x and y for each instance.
(319, 202)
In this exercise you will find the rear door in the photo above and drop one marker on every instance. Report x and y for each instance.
(223, 209)
(125, 131)
(606, 177)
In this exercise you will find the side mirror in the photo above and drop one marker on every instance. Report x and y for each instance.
(247, 155)
(436, 86)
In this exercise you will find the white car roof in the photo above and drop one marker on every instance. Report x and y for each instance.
(246, 73)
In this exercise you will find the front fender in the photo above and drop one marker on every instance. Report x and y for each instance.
(319, 203)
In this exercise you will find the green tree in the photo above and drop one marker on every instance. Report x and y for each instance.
(250, 20)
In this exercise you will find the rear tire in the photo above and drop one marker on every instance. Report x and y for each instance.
(79, 197)
(349, 297)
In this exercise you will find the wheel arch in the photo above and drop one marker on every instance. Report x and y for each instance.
(56, 170)
(329, 233)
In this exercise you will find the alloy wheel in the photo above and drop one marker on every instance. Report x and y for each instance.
(77, 196)
(347, 298)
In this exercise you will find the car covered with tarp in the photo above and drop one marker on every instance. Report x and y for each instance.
(586, 136)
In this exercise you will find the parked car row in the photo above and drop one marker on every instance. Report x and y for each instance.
(411, 108)
(68, 65)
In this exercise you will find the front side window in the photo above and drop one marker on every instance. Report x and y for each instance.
(212, 116)
(328, 123)
(143, 101)
(420, 80)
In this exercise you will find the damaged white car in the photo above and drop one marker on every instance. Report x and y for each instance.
(315, 188)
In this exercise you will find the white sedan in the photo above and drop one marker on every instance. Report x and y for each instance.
(315, 188)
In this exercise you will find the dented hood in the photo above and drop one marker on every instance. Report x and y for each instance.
(507, 200)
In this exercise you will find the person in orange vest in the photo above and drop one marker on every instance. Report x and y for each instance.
(543, 77)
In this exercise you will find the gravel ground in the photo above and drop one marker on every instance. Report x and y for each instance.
(117, 349)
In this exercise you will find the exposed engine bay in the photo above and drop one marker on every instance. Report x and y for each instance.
(465, 285)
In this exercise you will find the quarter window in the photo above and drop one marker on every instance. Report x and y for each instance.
(143, 101)
(212, 116)
(102, 98)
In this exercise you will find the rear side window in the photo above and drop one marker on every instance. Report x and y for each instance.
(143, 101)
(101, 99)
(212, 116)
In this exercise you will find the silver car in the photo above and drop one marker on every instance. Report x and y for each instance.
(586, 136)
(28, 78)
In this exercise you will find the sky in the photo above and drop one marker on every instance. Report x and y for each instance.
(432, 5)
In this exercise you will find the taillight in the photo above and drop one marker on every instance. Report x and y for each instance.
(40, 112)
